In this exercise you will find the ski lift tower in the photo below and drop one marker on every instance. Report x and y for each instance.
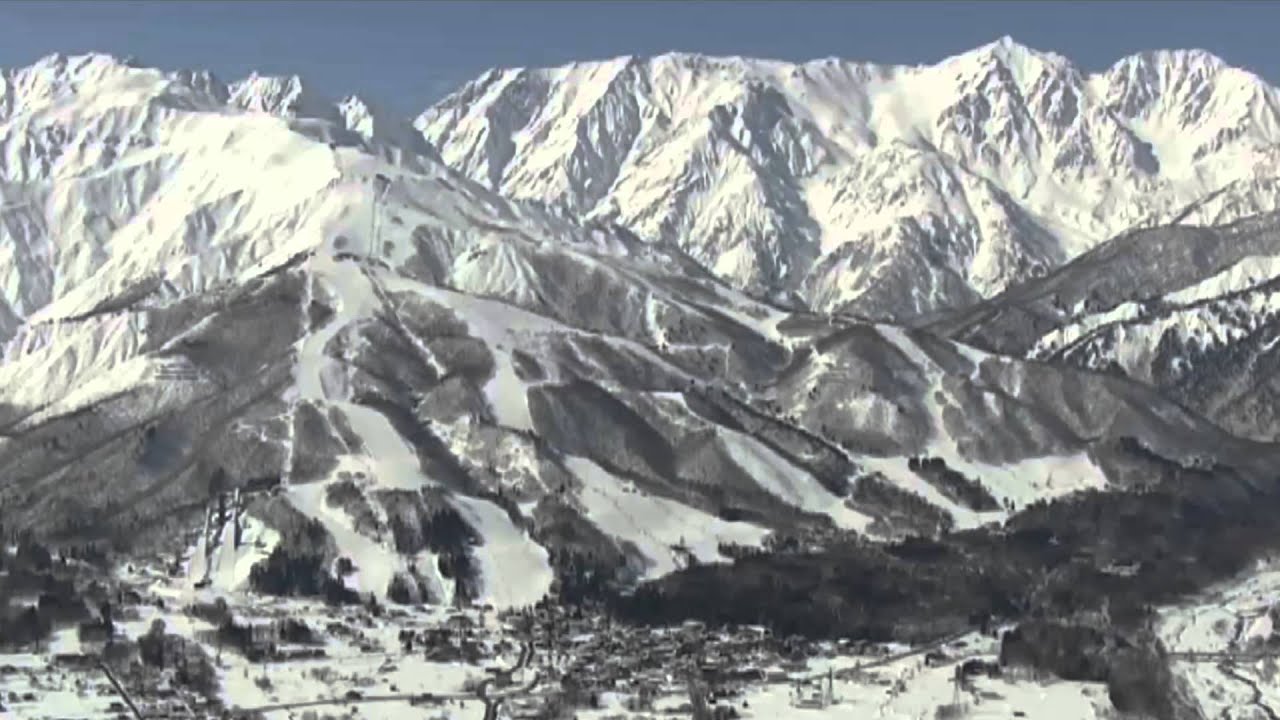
(381, 183)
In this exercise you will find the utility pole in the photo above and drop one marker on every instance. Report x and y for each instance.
(237, 504)
(373, 224)
(697, 695)
(696, 688)
(381, 183)
(120, 690)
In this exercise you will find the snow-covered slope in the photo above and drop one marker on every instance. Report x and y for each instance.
(1191, 311)
(216, 288)
(888, 191)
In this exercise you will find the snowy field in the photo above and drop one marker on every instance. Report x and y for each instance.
(31, 689)
(1238, 679)
(365, 657)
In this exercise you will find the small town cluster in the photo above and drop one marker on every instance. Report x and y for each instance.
(154, 645)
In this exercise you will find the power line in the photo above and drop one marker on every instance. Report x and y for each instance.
(120, 689)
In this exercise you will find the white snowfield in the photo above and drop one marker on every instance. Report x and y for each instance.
(656, 526)
(1233, 623)
(793, 485)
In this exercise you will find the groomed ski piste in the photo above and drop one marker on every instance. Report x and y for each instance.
(513, 569)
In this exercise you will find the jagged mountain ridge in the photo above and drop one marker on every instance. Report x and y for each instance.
(463, 394)
(887, 191)
(1189, 310)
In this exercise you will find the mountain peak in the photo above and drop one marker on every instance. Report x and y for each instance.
(369, 121)
(1169, 67)
(1185, 58)
(1188, 83)
(283, 95)
(53, 70)
(82, 60)
(360, 116)
(1006, 44)
(57, 75)
(1010, 53)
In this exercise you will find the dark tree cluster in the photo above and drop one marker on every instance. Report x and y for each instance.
(896, 508)
(346, 495)
(299, 566)
(438, 529)
(955, 485)
(292, 630)
(62, 597)
(583, 576)
(423, 521)
(406, 590)
(734, 551)
(587, 563)
(215, 613)
(23, 627)
(159, 651)
(1132, 664)
(854, 590)
(32, 555)
(290, 574)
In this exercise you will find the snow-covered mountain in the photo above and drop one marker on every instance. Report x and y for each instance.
(1190, 310)
(244, 290)
(883, 190)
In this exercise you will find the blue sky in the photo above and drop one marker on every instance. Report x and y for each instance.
(405, 54)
